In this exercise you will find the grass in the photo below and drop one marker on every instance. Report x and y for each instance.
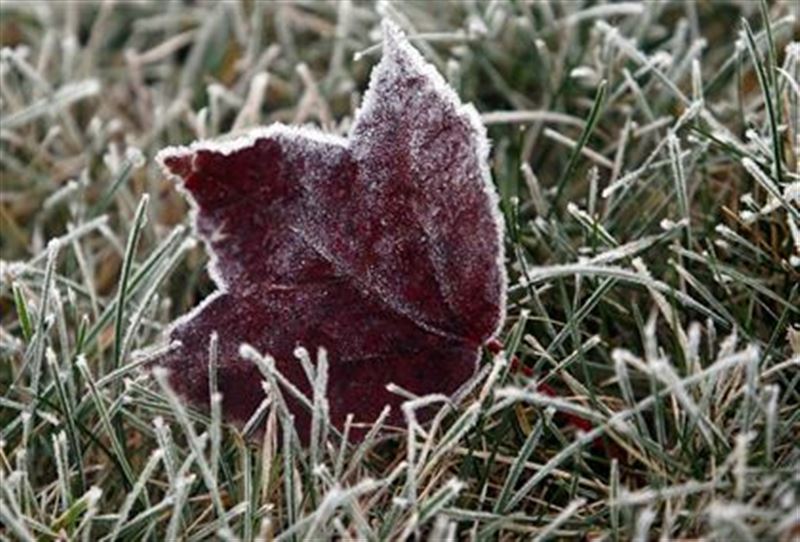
(647, 161)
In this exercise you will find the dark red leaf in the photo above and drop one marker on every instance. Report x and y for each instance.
(384, 248)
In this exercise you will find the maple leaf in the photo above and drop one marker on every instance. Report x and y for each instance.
(385, 249)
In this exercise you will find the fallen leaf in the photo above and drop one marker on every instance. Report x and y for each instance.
(384, 248)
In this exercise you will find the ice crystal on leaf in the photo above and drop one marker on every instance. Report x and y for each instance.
(385, 249)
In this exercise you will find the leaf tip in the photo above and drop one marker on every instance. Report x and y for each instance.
(175, 162)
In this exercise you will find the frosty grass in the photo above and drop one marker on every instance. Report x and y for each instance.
(646, 156)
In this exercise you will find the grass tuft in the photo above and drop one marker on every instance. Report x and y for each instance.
(647, 156)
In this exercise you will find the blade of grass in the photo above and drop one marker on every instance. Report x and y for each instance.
(591, 122)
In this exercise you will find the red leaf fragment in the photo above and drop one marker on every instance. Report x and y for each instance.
(384, 248)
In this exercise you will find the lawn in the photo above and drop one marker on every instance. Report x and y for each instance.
(646, 382)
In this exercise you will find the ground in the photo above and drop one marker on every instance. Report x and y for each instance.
(646, 381)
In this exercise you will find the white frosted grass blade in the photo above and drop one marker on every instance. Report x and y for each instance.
(179, 489)
(529, 117)
(653, 496)
(335, 498)
(617, 9)
(510, 395)
(630, 249)
(368, 441)
(15, 523)
(547, 273)
(563, 516)
(644, 522)
(133, 494)
(535, 189)
(150, 294)
(590, 224)
(194, 442)
(694, 109)
(679, 178)
(519, 462)
(74, 233)
(771, 187)
(570, 143)
(61, 453)
(267, 366)
(60, 100)
(453, 436)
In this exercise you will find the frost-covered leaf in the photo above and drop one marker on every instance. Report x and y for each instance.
(384, 248)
